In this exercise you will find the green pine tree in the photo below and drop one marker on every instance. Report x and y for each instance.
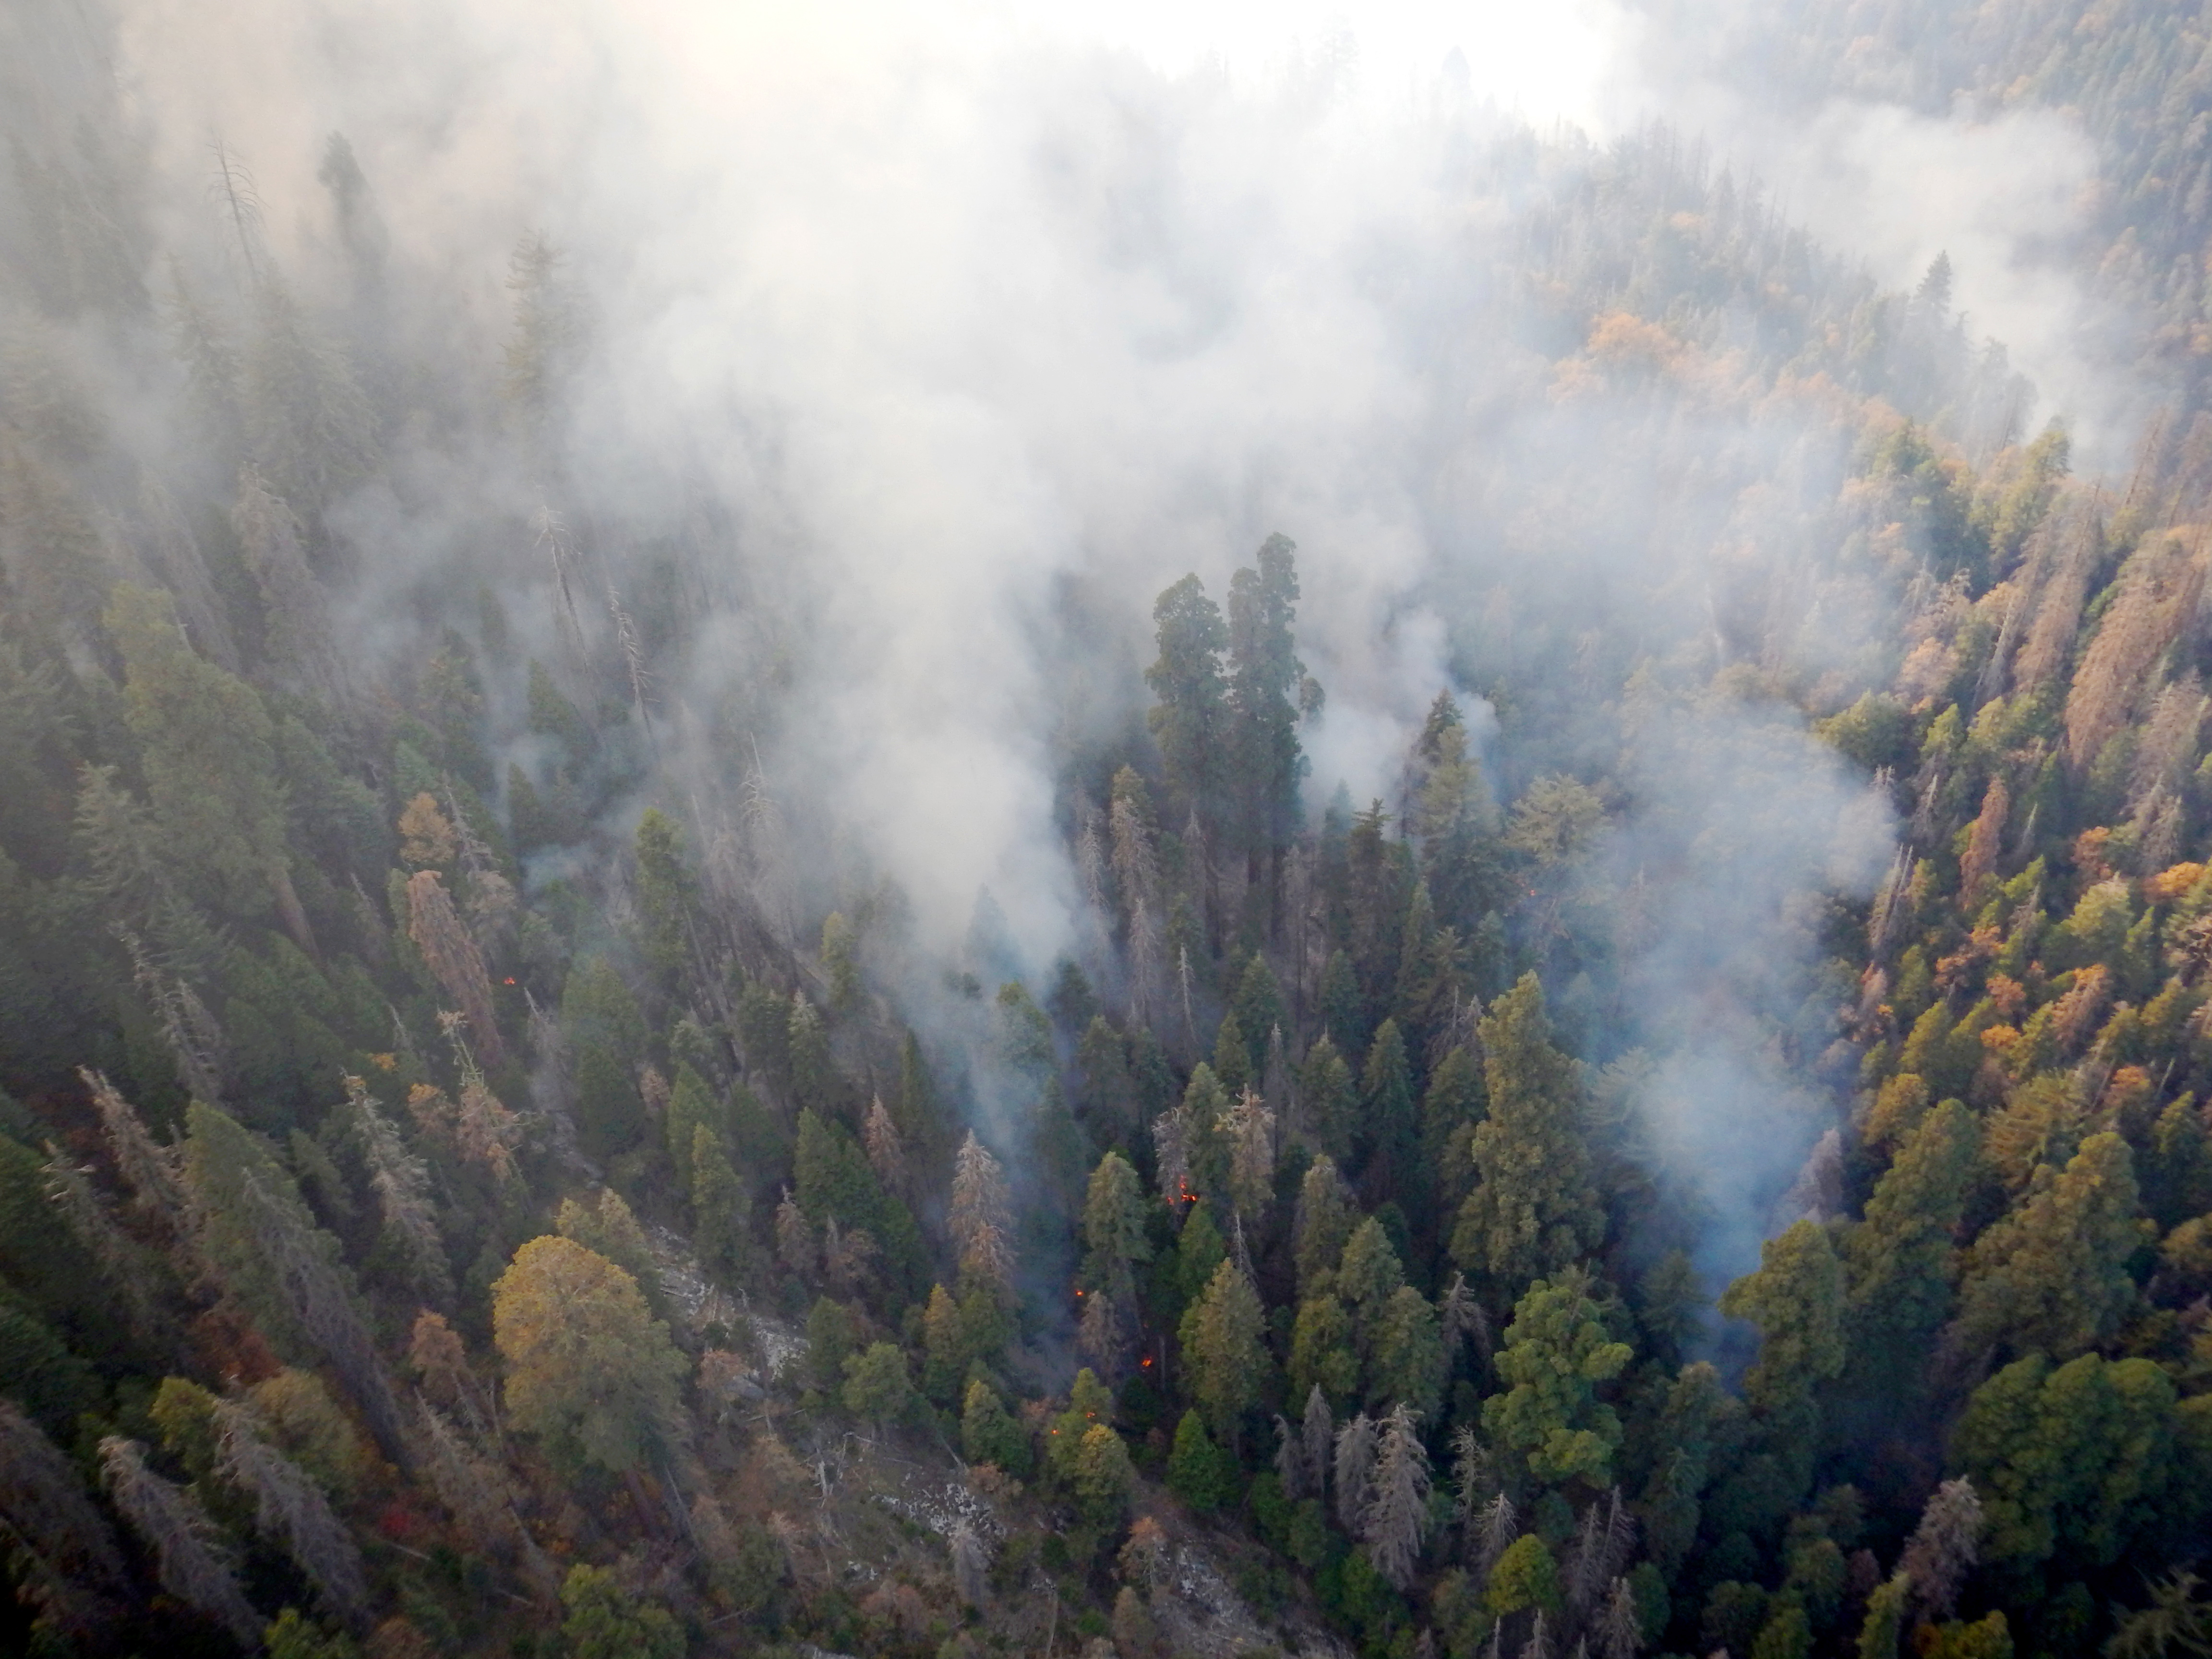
(1191, 721)
(1329, 1102)
(1201, 1473)
(1224, 1355)
(1534, 1209)
(1390, 1138)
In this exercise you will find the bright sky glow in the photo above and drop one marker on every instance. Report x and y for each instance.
(1550, 62)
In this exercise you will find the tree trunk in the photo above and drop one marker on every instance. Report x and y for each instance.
(288, 908)
(634, 1484)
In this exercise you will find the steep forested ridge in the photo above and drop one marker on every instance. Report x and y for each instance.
(2134, 77)
(1715, 1156)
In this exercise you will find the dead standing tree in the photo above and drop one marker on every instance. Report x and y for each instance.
(451, 955)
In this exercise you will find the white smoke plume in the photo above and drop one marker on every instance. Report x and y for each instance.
(935, 347)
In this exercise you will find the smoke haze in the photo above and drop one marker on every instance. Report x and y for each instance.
(932, 345)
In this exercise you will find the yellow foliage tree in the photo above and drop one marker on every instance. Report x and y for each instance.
(426, 838)
(589, 1368)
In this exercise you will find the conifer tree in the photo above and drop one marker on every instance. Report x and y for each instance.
(1291, 1462)
(1450, 1109)
(1353, 1468)
(1114, 1228)
(1428, 981)
(796, 1246)
(1268, 689)
(208, 353)
(452, 955)
(290, 1507)
(989, 1435)
(1885, 1619)
(945, 1347)
(1395, 1522)
(1343, 1006)
(598, 1011)
(722, 1205)
(71, 1568)
(833, 1179)
(1406, 1358)
(1448, 814)
(919, 1119)
(205, 745)
(1108, 1095)
(1328, 1103)
(1250, 1129)
(1104, 1333)
(1191, 720)
(1200, 1137)
(551, 332)
(1460, 1316)
(1224, 1356)
(401, 1182)
(124, 1266)
(297, 634)
(885, 1146)
(49, 545)
(1143, 903)
(1797, 1300)
(1200, 1249)
(1233, 1057)
(1901, 1260)
(123, 851)
(1944, 1547)
(437, 1356)
(258, 1235)
(981, 1217)
(815, 1084)
(194, 1038)
(306, 423)
(1526, 1578)
(608, 1227)
(667, 897)
(1323, 1224)
(1201, 1473)
(1620, 1623)
(1693, 1416)
(1322, 1355)
(604, 1622)
(2068, 1462)
(1318, 1437)
(426, 840)
(151, 1171)
(1259, 1010)
(1556, 1354)
(1390, 1133)
(691, 1106)
(2051, 1274)
(189, 1558)
(877, 1384)
(1367, 1276)
(1534, 1211)
(1103, 1476)
(609, 1116)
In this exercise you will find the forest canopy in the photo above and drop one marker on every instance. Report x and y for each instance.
(1133, 868)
